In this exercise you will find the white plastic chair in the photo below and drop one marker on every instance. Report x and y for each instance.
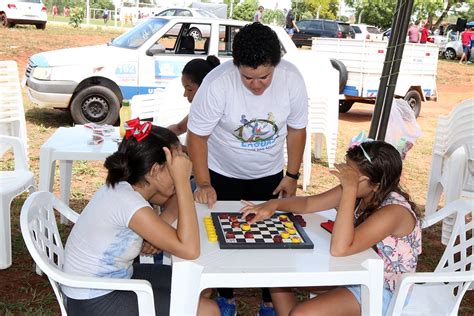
(440, 292)
(41, 236)
(12, 113)
(12, 183)
(452, 161)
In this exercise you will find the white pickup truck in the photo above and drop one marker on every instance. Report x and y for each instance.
(360, 64)
(92, 81)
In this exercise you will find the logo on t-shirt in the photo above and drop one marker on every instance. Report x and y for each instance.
(257, 133)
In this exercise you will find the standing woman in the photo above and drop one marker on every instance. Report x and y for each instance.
(291, 24)
(112, 229)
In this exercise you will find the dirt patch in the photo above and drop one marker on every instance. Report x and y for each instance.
(24, 292)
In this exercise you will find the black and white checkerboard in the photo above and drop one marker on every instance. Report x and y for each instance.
(263, 233)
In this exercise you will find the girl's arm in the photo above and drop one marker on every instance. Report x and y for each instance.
(390, 220)
(184, 240)
(300, 205)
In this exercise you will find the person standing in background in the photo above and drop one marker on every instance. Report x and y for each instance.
(55, 10)
(106, 15)
(291, 26)
(424, 33)
(414, 33)
(257, 17)
(466, 37)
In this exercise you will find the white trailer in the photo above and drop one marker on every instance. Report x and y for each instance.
(360, 64)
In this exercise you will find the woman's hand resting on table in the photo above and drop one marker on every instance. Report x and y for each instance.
(205, 194)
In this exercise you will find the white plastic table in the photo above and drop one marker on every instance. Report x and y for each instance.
(216, 268)
(66, 145)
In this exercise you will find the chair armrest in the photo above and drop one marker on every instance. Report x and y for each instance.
(18, 151)
(65, 210)
(449, 209)
(142, 288)
(408, 279)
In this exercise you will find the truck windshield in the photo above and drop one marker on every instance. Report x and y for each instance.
(139, 34)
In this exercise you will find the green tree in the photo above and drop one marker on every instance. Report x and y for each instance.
(308, 9)
(275, 17)
(374, 12)
(245, 10)
(76, 16)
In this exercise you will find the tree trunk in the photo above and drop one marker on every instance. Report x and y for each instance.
(443, 15)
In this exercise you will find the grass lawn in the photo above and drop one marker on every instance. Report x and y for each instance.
(23, 292)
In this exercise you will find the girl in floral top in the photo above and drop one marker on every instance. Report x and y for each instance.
(373, 211)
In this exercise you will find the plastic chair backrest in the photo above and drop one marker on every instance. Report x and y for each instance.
(12, 113)
(42, 238)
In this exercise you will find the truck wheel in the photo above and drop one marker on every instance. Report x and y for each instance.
(345, 106)
(41, 26)
(4, 20)
(414, 101)
(339, 66)
(96, 104)
(450, 54)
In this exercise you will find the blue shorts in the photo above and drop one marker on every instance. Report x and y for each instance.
(386, 298)
(466, 49)
(290, 30)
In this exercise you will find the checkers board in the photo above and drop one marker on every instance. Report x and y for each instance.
(262, 232)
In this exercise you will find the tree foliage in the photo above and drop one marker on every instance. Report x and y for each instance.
(380, 13)
(308, 9)
(245, 10)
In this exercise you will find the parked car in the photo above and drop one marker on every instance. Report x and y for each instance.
(320, 28)
(453, 50)
(14, 12)
(197, 33)
(368, 32)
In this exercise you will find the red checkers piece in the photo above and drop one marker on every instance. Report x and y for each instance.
(248, 235)
(235, 224)
(230, 235)
(233, 218)
(223, 216)
(249, 217)
(277, 239)
(300, 220)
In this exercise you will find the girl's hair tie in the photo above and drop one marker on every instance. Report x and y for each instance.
(357, 141)
(137, 129)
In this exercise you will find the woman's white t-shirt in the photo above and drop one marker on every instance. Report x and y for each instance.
(248, 132)
(101, 244)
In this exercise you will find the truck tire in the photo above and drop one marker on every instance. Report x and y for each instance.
(41, 26)
(95, 104)
(414, 101)
(339, 66)
(345, 106)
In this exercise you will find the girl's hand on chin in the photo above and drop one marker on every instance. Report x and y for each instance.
(178, 163)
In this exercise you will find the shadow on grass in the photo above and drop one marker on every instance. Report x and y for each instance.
(48, 117)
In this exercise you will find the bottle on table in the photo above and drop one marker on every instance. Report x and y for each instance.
(125, 115)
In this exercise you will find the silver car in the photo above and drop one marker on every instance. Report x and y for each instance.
(454, 50)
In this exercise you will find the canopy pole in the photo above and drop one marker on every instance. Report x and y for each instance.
(388, 80)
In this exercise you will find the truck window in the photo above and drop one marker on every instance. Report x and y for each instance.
(200, 32)
(138, 35)
(226, 38)
(356, 29)
(303, 25)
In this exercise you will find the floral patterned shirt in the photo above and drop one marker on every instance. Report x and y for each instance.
(400, 254)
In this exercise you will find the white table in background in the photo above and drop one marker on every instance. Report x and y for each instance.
(216, 268)
(66, 145)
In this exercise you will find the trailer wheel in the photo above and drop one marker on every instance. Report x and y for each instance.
(345, 106)
(339, 66)
(414, 101)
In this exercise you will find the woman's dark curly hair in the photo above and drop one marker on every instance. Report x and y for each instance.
(384, 170)
(196, 69)
(256, 44)
(133, 159)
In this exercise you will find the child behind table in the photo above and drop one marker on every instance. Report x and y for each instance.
(118, 224)
(372, 212)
